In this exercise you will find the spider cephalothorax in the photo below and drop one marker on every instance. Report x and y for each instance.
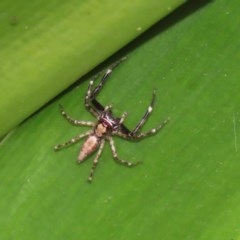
(106, 126)
(107, 120)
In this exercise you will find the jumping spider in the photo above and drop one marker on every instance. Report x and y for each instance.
(106, 126)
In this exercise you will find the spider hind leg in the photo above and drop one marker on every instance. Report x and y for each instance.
(119, 160)
(95, 161)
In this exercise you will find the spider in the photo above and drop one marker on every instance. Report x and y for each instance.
(106, 126)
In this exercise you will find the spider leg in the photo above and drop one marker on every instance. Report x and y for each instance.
(72, 140)
(105, 77)
(144, 134)
(115, 64)
(145, 116)
(95, 161)
(150, 132)
(121, 128)
(115, 156)
(74, 121)
(88, 99)
(91, 94)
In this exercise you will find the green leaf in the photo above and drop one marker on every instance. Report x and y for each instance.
(188, 184)
(47, 45)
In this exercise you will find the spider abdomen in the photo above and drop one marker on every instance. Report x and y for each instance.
(89, 146)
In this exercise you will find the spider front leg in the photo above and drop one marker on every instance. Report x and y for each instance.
(88, 100)
(90, 103)
(106, 75)
(115, 156)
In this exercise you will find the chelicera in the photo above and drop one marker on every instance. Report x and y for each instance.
(106, 126)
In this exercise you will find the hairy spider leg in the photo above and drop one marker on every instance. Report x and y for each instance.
(145, 116)
(88, 105)
(144, 134)
(91, 94)
(95, 161)
(72, 140)
(105, 77)
(116, 158)
(115, 64)
(74, 121)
